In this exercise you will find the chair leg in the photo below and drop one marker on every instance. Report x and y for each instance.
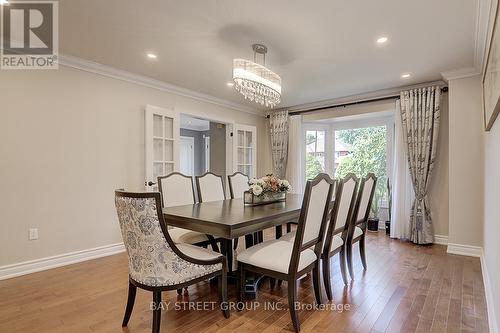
(213, 243)
(272, 282)
(317, 284)
(240, 282)
(349, 260)
(289, 227)
(292, 296)
(326, 277)
(156, 311)
(132, 289)
(223, 293)
(342, 265)
(362, 251)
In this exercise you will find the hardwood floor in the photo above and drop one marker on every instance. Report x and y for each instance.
(406, 288)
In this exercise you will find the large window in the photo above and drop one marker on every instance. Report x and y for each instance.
(359, 147)
(315, 153)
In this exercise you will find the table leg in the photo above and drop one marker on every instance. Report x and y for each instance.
(227, 250)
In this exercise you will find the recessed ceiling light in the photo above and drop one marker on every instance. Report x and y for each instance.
(405, 76)
(230, 84)
(4, 2)
(382, 40)
(152, 56)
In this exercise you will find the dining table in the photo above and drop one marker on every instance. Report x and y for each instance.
(227, 220)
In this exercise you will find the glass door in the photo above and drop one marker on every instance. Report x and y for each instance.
(245, 149)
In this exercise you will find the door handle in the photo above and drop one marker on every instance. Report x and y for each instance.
(150, 183)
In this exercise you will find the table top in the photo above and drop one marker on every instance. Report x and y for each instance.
(231, 218)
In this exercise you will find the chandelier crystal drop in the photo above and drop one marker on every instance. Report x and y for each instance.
(255, 82)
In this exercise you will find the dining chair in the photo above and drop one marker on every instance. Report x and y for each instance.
(359, 218)
(238, 183)
(289, 261)
(210, 187)
(155, 262)
(176, 190)
(338, 228)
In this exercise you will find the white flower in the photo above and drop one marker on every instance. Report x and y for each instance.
(285, 183)
(253, 181)
(256, 189)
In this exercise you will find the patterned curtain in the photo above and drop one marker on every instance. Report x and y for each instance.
(278, 124)
(420, 111)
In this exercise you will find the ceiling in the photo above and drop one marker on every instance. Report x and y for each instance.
(322, 49)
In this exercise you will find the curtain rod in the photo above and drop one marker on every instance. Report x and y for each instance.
(371, 100)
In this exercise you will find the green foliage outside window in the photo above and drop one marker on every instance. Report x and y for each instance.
(368, 154)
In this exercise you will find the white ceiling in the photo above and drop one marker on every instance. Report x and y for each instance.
(322, 49)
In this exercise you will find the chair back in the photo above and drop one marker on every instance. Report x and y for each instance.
(313, 217)
(176, 189)
(345, 201)
(238, 183)
(210, 187)
(365, 198)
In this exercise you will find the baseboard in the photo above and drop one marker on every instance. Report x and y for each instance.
(440, 239)
(465, 250)
(32, 266)
(490, 306)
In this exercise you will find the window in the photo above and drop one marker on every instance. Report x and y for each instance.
(315, 153)
(359, 146)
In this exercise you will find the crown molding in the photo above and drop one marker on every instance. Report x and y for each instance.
(100, 69)
(460, 73)
(360, 97)
(484, 24)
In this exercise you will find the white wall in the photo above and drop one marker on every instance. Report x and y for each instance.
(466, 161)
(492, 215)
(68, 138)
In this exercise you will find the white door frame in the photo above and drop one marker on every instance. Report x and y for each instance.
(191, 142)
(206, 141)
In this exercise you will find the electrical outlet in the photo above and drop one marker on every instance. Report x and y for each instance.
(33, 234)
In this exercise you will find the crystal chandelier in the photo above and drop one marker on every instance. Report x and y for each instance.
(256, 82)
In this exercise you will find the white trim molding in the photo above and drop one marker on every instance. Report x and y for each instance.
(441, 239)
(490, 305)
(465, 250)
(483, 26)
(37, 265)
(96, 68)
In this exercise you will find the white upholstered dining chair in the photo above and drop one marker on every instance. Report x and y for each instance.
(338, 228)
(155, 262)
(358, 221)
(210, 187)
(284, 260)
(238, 183)
(176, 190)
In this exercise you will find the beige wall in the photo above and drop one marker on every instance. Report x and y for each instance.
(492, 214)
(438, 191)
(466, 162)
(68, 138)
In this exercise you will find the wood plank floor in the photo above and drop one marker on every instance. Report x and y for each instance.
(406, 288)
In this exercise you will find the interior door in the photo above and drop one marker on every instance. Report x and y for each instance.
(245, 149)
(162, 143)
(187, 155)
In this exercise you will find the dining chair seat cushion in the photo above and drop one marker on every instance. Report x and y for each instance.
(357, 232)
(289, 237)
(181, 235)
(275, 255)
(198, 252)
(336, 240)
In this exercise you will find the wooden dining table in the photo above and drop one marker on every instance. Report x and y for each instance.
(230, 219)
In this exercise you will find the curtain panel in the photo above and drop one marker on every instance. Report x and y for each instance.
(420, 112)
(294, 170)
(278, 126)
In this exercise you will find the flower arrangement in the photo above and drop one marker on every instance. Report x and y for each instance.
(268, 184)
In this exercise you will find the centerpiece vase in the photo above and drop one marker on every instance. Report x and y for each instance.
(264, 198)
